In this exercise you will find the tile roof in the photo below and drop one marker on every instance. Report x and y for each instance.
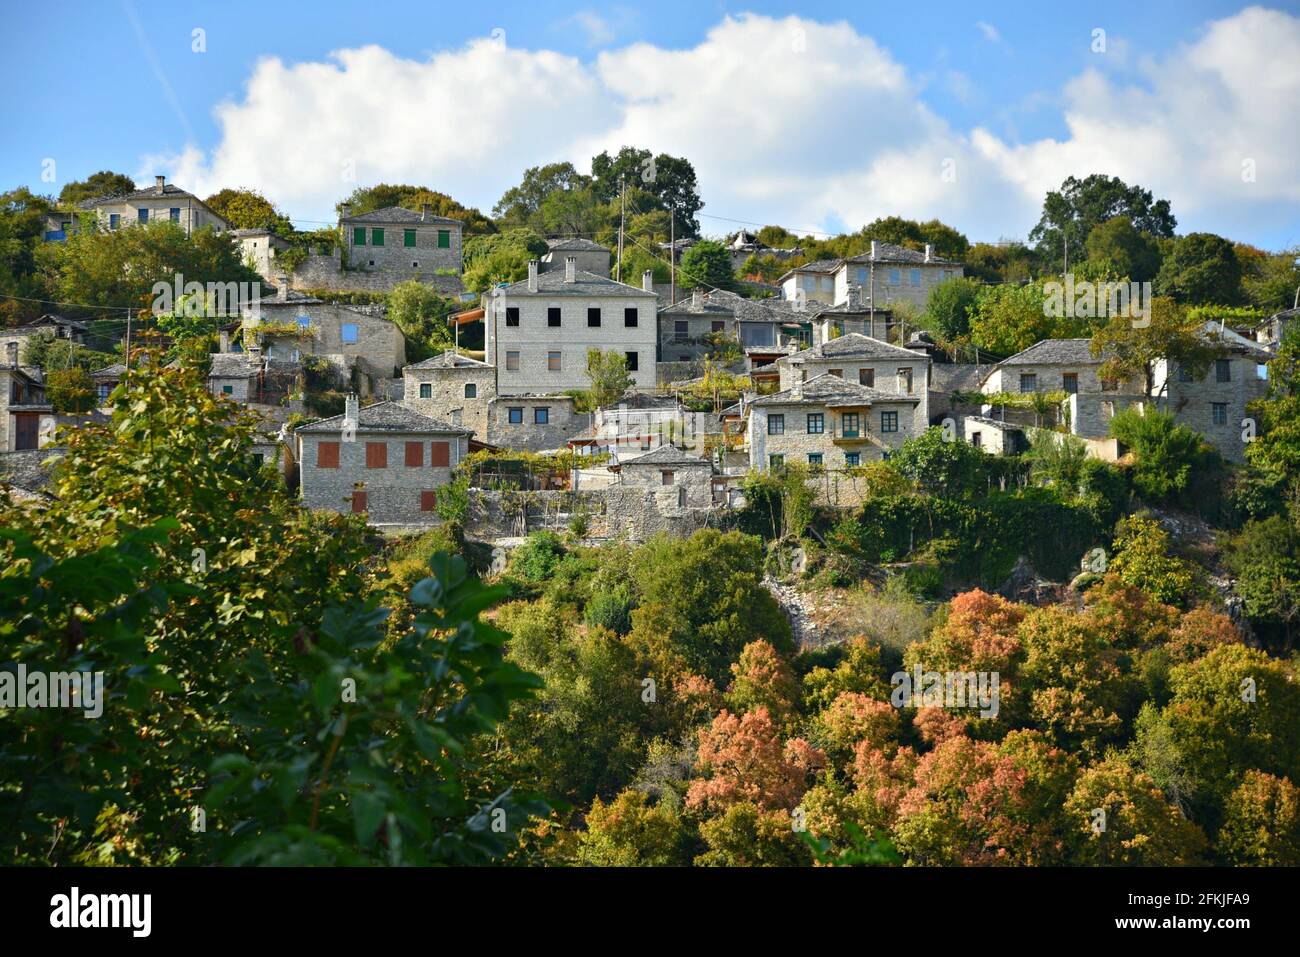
(575, 244)
(150, 192)
(818, 266)
(1071, 352)
(854, 345)
(387, 417)
(399, 214)
(831, 390)
(551, 283)
(115, 371)
(721, 302)
(449, 360)
(666, 454)
(891, 253)
(233, 365)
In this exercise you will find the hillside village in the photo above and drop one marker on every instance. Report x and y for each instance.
(820, 368)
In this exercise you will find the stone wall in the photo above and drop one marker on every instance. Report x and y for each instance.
(319, 271)
(619, 512)
(563, 422)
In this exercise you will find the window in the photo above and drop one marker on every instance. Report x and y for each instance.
(630, 317)
(862, 275)
(666, 477)
(439, 455)
(444, 239)
(914, 276)
(851, 459)
(227, 390)
(414, 455)
(815, 459)
(553, 361)
(376, 237)
(1222, 370)
(114, 220)
(174, 214)
(426, 390)
(593, 316)
(515, 416)
(258, 459)
(360, 502)
(408, 238)
(838, 373)
(376, 455)
(1261, 371)
(1028, 382)
(867, 377)
(1070, 382)
(775, 461)
(905, 381)
(512, 315)
(1184, 374)
(358, 235)
(102, 391)
(776, 425)
(471, 390)
(348, 332)
(718, 325)
(849, 426)
(895, 277)
(681, 330)
(428, 501)
(142, 215)
(816, 423)
(632, 361)
(541, 416)
(327, 455)
(304, 323)
(888, 421)
(512, 361)
(976, 439)
(553, 316)
(1107, 410)
(1219, 412)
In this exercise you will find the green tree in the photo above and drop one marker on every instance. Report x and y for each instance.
(95, 186)
(1008, 319)
(248, 209)
(1265, 560)
(1142, 560)
(947, 311)
(1261, 825)
(501, 257)
(1072, 212)
(1166, 453)
(1271, 281)
(1201, 268)
(706, 264)
(70, 390)
(669, 179)
(520, 205)
(942, 467)
(630, 832)
(1123, 250)
(421, 314)
(1170, 334)
(365, 199)
(609, 376)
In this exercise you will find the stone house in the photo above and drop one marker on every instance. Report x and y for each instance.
(46, 327)
(1214, 404)
(251, 378)
(27, 421)
(453, 388)
(868, 362)
(888, 273)
(534, 422)
(829, 422)
(351, 337)
(811, 282)
(691, 327)
(538, 330)
(591, 256)
(163, 202)
(400, 244)
(670, 467)
(992, 435)
(260, 248)
(1052, 365)
(106, 380)
(384, 460)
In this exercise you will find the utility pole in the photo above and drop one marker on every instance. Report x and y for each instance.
(622, 215)
(127, 350)
(672, 256)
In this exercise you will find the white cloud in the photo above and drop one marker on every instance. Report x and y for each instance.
(786, 120)
(990, 32)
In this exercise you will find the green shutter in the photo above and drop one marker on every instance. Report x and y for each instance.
(408, 237)
(444, 239)
(358, 235)
(376, 237)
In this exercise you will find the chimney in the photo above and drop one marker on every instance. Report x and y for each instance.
(875, 246)
(648, 280)
(697, 299)
(225, 341)
(282, 294)
(570, 268)
(532, 275)
(11, 350)
(426, 212)
(455, 416)
(160, 185)
(929, 251)
(350, 411)
(345, 210)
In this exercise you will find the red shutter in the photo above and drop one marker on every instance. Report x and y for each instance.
(327, 455)
(360, 502)
(414, 454)
(428, 500)
(439, 454)
(376, 455)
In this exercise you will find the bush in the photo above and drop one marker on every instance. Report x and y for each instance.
(612, 609)
(538, 557)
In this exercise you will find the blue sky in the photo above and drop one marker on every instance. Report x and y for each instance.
(994, 87)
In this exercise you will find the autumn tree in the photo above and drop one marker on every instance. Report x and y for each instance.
(631, 832)
(762, 678)
(248, 209)
(1261, 826)
(742, 759)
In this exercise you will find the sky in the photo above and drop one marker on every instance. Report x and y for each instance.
(819, 117)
